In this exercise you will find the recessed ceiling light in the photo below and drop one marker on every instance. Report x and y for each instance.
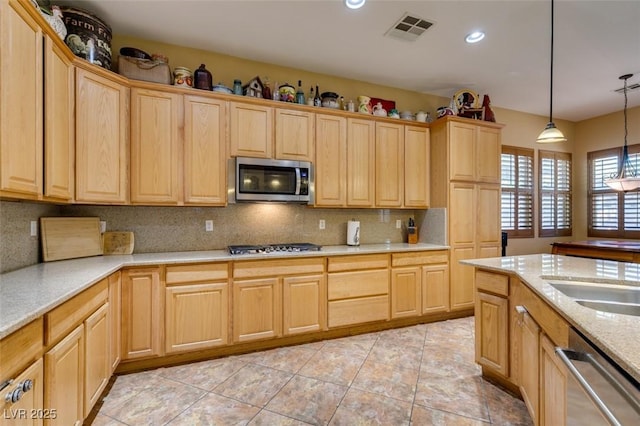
(354, 4)
(474, 37)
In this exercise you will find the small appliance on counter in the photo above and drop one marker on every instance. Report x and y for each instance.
(353, 232)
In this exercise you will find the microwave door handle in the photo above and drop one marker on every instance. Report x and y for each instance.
(297, 180)
(562, 353)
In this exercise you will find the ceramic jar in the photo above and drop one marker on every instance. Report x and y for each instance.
(364, 104)
(287, 93)
(183, 77)
(379, 111)
(202, 78)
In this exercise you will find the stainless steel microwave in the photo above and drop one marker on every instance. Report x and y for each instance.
(262, 179)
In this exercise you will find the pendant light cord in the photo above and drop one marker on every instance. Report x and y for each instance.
(625, 113)
(551, 72)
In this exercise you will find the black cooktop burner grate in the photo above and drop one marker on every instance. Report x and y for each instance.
(274, 248)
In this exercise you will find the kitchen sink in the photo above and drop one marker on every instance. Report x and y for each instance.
(611, 298)
(612, 307)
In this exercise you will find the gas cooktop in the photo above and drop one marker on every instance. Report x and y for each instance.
(274, 248)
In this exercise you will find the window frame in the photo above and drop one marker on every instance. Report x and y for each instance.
(620, 232)
(555, 155)
(517, 152)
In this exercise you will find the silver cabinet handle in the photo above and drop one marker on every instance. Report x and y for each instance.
(521, 309)
(562, 353)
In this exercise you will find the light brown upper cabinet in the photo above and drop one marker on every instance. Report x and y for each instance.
(331, 161)
(416, 167)
(389, 164)
(295, 134)
(360, 162)
(37, 112)
(475, 153)
(251, 130)
(156, 145)
(102, 136)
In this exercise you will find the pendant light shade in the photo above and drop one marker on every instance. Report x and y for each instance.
(627, 178)
(551, 134)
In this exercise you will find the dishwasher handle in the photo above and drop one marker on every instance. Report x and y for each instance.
(566, 355)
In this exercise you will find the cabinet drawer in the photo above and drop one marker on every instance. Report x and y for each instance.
(492, 283)
(356, 311)
(357, 284)
(20, 348)
(271, 268)
(197, 273)
(351, 263)
(65, 317)
(419, 258)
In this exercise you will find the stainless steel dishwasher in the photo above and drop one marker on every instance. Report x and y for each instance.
(598, 392)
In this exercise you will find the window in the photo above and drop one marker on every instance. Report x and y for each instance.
(554, 194)
(516, 207)
(612, 214)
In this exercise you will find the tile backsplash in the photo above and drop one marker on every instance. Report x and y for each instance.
(161, 229)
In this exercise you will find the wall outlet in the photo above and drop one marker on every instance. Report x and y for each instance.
(34, 228)
(322, 224)
(398, 224)
(208, 225)
(103, 226)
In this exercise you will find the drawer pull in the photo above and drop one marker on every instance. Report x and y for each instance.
(15, 395)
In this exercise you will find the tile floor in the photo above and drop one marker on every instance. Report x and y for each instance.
(419, 375)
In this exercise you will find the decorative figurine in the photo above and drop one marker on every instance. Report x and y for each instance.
(487, 114)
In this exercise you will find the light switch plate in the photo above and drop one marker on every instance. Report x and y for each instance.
(34, 228)
(398, 224)
(322, 224)
(208, 225)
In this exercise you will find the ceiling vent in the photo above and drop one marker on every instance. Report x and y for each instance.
(409, 27)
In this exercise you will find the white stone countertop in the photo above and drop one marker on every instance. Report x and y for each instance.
(616, 335)
(27, 293)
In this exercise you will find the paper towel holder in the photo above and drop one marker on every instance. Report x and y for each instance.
(353, 232)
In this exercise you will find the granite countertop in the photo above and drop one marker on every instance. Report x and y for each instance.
(30, 292)
(615, 334)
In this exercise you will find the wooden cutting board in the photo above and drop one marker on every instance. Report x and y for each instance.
(117, 242)
(70, 237)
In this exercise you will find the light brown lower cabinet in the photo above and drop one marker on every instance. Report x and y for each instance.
(492, 345)
(406, 292)
(303, 302)
(257, 309)
(97, 363)
(115, 313)
(19, 412)
(553, 385)
(435, 288)
(142, 307)
(529, 369)
(64, 379)
(196, 316)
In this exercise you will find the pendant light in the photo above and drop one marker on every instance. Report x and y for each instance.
(551, 134)
(627, 178)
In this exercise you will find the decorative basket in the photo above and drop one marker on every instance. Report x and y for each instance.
(144, 69)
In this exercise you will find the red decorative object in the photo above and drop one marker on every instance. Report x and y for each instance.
(488, 114)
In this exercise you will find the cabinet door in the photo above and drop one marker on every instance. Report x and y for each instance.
(435, 289)
(64, 379)
(295, 133)
(251, 133)
(553, 385)
(492, 332)
(21, 100)
(416, 167)
(304, 304)
(102, 139)
(462, 152)
(488, 153)
(205, 157)
(115, 317)
(196, 316)
(462, 278)
(360, 162)
(462, 217)
(97, 369)
(142, 325)
(331, 161)
(156, 144)
(529, 371)
(488, 214)
(389, 165)
(406, 289)
(59, 136)
(19, 413)
(257, 309)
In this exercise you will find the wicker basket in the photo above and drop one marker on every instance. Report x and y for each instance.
(144, 69)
